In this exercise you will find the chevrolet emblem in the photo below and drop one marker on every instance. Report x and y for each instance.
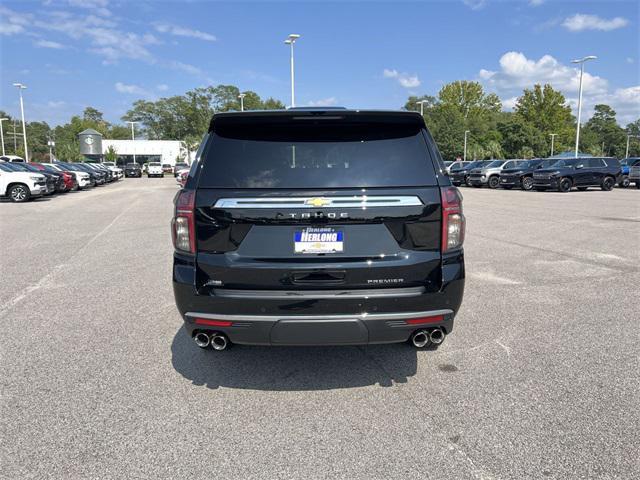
(317, 202)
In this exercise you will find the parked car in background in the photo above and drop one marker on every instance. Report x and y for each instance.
(76, 167)
(100, 177)
(155, 170)
(21, 186)
(132, 170)
(50, 180)
(167, 168)
(522, 175)
(181, 179)
(180, 166)
(581, 173)
(460, 176)
(68, 179)
(117, 171)
(82, 179)
(489, 174)
(634, 171)
(457, 165)
(12, 159)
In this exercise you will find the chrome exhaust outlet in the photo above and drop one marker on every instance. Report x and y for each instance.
(201, 339)
(219, 342)
(420, 338)
(437, 336)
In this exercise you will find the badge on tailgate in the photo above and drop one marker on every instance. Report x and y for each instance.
(319, 240)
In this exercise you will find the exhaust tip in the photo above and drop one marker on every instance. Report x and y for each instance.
(437, 336)
(420, 338)
(201, 339)
(219, 342)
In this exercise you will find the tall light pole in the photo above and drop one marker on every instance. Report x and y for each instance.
(2, 136)
(21, 87)
(464, 158)
(553, 136)
(421, 103)
(133, 137)
(241, 97)
(581, 61)
(290, 41)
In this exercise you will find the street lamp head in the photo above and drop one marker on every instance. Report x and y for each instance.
(20, 85)
(585, 59)
(242, 95)
(292, 39)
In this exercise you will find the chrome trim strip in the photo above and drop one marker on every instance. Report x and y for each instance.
(358, 201)
(361, 316)
(310, 294)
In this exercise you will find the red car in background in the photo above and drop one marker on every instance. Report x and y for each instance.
(68, 179)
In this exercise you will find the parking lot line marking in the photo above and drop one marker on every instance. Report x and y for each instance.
(40, 283)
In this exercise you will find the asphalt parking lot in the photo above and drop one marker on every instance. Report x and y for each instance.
(538, 380)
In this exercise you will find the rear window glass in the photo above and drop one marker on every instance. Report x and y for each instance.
(317, 156)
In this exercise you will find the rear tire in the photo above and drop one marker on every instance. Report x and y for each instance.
(19, 193)
(467, 182)
(565, 185)
(493, 182)
(624, 183)
(608, 184)
(527, 183)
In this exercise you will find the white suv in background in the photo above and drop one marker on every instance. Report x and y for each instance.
(82, 178)
(21, 186)
(117, 171)
(155, 170)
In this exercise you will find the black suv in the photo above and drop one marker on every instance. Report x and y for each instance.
(132, 170)
(579, 172)
(461, 175)
(318, 227)
(522, 175)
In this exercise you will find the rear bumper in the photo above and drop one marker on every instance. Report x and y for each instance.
(321, 319)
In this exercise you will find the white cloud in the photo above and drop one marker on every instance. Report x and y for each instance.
(48, 44)
(102, 36)
(184, 32)
(630, 60)
(56, 104)
(131, 89)
(518, 72)
(185, 67)
(98, 7)
(580, 22)
(536, 3)
(475, 4)
(13, 23)
(162, 87)
(324, 102)
(404, 79)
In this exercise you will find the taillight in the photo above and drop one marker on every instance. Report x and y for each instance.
(183, 226)
(453, 221)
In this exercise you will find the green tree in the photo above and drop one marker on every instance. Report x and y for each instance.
(518, 134)
(546, 109)
(111, 155)
(633, 129)
(606, 131)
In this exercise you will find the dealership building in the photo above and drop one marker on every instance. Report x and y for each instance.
(94, 147)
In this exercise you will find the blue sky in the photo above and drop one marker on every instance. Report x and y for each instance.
(108, 53)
